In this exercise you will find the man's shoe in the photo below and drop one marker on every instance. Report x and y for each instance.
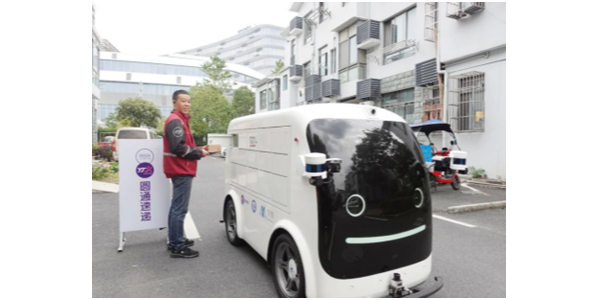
(188, 243)
(185, 253)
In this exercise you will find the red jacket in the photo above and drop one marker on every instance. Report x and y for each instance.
(180, 153)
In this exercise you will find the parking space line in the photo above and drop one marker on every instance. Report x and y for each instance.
(455, 222)
(190, 229)
(474, 189)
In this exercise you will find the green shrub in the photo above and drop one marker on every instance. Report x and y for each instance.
(94, 149)
(105, 152)
(477, 173)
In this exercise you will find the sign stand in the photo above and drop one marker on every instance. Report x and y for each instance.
(144, 190)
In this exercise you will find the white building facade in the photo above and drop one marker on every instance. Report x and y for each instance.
(257, 47)
(156, 78)
(95, 77)
(386, 54)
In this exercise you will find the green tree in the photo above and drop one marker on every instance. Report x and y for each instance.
(278, 67)
(211, 112)
(138, 112)
(161, 124)
(243, 102)
(111, 121)
(217, 74)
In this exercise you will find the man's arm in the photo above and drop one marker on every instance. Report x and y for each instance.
(175, 134)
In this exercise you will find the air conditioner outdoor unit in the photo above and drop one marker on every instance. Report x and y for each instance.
(472, 7)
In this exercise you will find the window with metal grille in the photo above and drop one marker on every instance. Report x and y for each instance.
(466, 102)
(431, 20)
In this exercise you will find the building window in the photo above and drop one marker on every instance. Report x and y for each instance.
(307, 30)
(432, 109)
(104, 110)
(272, 95)
(400, 30)
(307, 70)
(323, 62)
(285, 83)
(322, 6)
(333, 61)
(141, 88)
(465, 5)
(139, 67)
(293, 52)
(352, 60)
(263, 99)
(466, 102)
(352, 73)
(402, 103)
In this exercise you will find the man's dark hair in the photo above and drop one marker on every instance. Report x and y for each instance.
(177, 93)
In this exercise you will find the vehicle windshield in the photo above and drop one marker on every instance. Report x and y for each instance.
(133, 135)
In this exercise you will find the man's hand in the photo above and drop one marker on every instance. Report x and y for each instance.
(204, 153)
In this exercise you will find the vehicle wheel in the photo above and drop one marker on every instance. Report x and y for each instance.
(456, 185)
(287, 268)
(231, 225)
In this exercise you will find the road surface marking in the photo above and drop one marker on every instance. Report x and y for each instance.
(190, 229)
(474, 189)
(455, 222)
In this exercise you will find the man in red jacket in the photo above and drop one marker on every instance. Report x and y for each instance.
(180, 163)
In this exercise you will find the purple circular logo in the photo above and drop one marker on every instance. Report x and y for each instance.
(145, 170)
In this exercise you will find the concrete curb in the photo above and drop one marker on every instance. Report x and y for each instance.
(488, 185)
(476, 207)
(105, 187)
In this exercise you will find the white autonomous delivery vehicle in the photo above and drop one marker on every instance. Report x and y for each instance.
(335, 197)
